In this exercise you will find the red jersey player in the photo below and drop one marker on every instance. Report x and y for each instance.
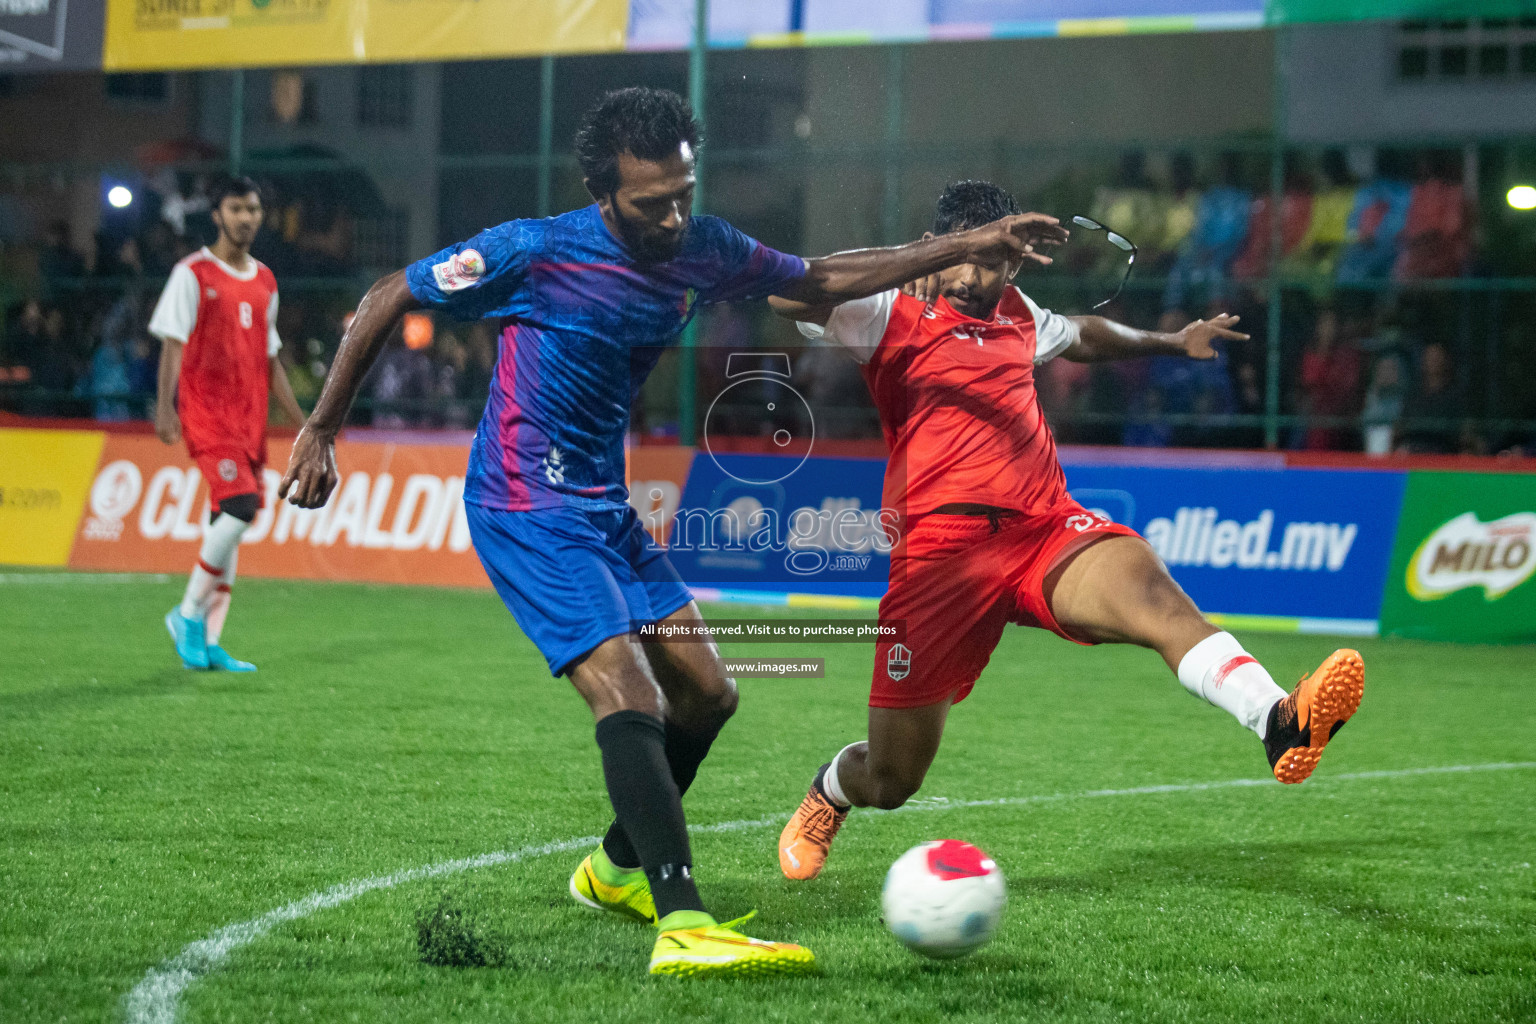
(989, 535)
(217, 325)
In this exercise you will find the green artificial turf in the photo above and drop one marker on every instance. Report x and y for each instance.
(143, 808)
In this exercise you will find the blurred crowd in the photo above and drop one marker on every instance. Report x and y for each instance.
(1409, 219)
(1373, 356)
(74, 341)
(77, 345)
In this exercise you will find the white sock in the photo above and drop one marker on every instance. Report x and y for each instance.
(829, 783)
(220, 541)
(1218, 670)
(218, 604)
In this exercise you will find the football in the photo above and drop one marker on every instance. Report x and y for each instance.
(943, 899)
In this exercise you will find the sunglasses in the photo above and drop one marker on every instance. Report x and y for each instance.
(1117, 240)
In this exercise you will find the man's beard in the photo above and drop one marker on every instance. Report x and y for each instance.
(651, 247)
(972, 304)
(239, 236)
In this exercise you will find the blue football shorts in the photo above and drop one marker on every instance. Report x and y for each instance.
(573, 578)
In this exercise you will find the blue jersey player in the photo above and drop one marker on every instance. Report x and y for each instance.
(585, 302)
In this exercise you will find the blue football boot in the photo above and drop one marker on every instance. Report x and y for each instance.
(221, 660)
(191, 641)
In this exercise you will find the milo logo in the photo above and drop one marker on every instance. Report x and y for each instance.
(1467, 552)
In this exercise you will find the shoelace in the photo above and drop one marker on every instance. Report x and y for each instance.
(1286, 714)
(822, 823)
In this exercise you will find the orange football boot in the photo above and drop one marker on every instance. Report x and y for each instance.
(1301, 724)
(807, 839)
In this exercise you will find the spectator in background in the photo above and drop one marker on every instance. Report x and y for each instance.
(1330, 382)
(109, 376)
(106, 381)
(1433, 397)
(1247, 400)
(119, 265)
(1147, 429)
(1437, 233)
(1333, 199)
(161, 250)
(1376, 222)
(184, 202)
(143, 365)
(1172, 386)
(23, 342)
(1384, 404)
(52, 368)
(404, 376)
(1191, 387)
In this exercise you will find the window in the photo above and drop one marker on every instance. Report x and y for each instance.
(1493, 61)
(385, 94)
(150, 88)
(1467, 50)
(1413, 63)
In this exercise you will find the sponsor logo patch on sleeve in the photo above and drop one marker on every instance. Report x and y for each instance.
(463, 270)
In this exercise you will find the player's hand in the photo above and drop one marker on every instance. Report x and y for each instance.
(1024, 237)
(311, 475)
(924, 289)
(1196, 338)
(167, 423)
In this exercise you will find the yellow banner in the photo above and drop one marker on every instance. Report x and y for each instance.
(164, 35)
(44, 477)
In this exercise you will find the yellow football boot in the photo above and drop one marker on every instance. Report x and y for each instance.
(599, 884)
(692, 945)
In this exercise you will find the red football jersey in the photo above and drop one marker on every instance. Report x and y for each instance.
(226, 321)
(957, 399)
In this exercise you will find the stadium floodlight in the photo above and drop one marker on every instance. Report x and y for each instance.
(119, 196)
(1522, 197)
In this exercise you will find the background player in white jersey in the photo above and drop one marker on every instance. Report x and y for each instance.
(989, 535)
(217, 325)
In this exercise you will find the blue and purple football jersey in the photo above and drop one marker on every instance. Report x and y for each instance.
(583, 326)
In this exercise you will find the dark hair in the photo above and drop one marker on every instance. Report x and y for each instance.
(970, 204)
(226, 185)
(646, 123)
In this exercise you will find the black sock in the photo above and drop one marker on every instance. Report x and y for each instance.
(648, 806)
(685, 752)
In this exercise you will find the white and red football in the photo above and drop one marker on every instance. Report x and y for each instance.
(944, 899)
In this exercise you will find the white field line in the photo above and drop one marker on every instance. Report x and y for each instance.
(84, 577)
(156, 999)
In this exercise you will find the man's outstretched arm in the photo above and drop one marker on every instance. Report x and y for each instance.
(1099, 340)
(311, 472)
(854, 274)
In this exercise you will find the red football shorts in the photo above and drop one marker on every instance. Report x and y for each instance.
(956, 582)
(229, 472)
